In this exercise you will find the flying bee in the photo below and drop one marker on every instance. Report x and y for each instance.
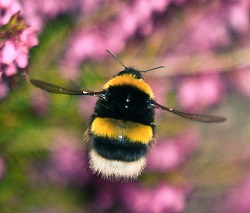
(122, 127)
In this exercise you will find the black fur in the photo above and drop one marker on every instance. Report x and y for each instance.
(126, 103)
(119, 149)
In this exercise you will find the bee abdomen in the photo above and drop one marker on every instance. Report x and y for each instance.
(118, 148)
(121, 149)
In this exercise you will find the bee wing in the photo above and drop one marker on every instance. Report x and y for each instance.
(60, 90)
(195, 117)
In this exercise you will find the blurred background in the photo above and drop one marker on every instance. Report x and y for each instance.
(205, 48)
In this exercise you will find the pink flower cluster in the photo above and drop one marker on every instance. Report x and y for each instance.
(14, 53)
(131, 18)
(138, 198)
(69, 162)
(237, 198)
(241, 80)
(16, 38)
(196, 93)
(207, 31)
(170, 153)
(213, 27)
(38, 12)
(157, 199)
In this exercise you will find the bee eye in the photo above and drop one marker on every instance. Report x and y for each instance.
(149, 104)
(104, 96)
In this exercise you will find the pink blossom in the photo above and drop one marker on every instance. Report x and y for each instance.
(237, 198)
(241, 79)
(10, 70)
(91, 42)
(170, 153)
(8, 53)
(16, 38)
(159, 5)
(40, 103)
(22, 58)
(10, 7)
(28, 38)
(237, 15)
(162, 198)
(207, 32)
(199, 92)
(37, 12)
(15, 50)
(210, 28)
(69, 160)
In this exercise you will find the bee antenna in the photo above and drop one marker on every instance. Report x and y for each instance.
(154, 68)
(116, 58)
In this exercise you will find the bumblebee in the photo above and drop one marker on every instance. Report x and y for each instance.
(122, 128)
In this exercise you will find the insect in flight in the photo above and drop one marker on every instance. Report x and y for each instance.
(122, 128)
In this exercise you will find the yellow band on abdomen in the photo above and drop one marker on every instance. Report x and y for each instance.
(118, 129)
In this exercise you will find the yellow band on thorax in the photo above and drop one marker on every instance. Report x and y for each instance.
(130, 80)
(118, 129)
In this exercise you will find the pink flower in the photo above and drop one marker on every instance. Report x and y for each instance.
(241, 78)
(213, 27)
(37, 12)
(208, 33)
(162, 198)
(40, 103)
(16, 38)
(237, 199)
(15, 49)
(92, 41)
(237, 15)
(171, 153)
(139, 198)
(69, 160)
(199, 92)
(8, 53)
(10, 7)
